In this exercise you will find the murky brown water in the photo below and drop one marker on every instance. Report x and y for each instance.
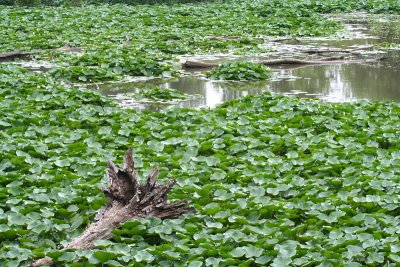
(345, 82)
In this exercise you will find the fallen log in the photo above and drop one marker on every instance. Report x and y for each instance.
(68, 48)
(334, 50)
(10, 56)
(294, 61)
(128, 199)
(286, 61)
(198, 65)
(283, 39)
(14, 55)
(224, 38)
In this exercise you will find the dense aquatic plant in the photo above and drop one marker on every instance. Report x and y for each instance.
(176, 29)
(160, 94)
(240, 71)
(276, 181)
(111, 63)
(119, 40)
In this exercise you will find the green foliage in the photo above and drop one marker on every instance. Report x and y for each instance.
(30, 3)
(160, 94)
(240, 71)
(276, 181)
(168, 29)
(81, 2)
(110, 64)
(303, 7)
(143, 40)
(120, 40)
(84, 74)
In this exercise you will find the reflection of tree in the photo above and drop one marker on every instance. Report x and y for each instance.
(234, 90)
(373, 82)
(127, 87)
(189, 85)
(390, 30)
(215, 92)
(345, 82)
(338, 82)
(242, 85)
(313, 79)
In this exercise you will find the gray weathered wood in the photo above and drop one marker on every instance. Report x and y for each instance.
(128, 199)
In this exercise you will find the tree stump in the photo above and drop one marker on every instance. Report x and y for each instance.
(128, 199)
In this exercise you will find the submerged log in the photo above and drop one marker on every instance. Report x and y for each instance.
(68, 48)
(335, 50)
(10, 56)
(224, 38)
(128, 199)
(285, 61)
(198, 65)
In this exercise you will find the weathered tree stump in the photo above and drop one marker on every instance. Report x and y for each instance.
(128, 199)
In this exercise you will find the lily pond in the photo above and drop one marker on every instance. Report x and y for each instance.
(375, 80)
(288, 171)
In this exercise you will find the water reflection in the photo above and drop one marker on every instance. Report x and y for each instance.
(216, 92)
(211, 93)
(346, 82)
(337, 83)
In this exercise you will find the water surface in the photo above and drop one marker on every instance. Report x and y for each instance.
(337, 82)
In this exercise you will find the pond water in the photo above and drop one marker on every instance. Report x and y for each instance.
(333, 82)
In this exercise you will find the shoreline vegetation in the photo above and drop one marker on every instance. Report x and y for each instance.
(274, 180)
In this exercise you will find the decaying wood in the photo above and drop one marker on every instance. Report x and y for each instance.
(128, 199)
(294, 61)
(286, 61)
(283, 39)
(335, 50)
(188, 64)
(68, 48)
(14, 55)
(224, 38)
(10, 56)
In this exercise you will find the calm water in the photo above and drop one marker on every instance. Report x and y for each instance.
(345, 82)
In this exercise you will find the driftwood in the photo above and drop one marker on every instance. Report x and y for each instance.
(287, 61)
(283, 39)
(335, 50)
(10, 56)
(14, 55)
(128, 199)
(224, 38)
(68, 48)
(293, 61)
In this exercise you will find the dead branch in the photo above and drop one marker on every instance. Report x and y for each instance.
(128, 199)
